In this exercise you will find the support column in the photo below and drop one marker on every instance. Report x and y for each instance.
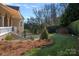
(2, 21)
(8, 22)
(11, 22)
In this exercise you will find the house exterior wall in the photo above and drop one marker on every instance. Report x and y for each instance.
(18, 25)
(11, 21)
(21, 26)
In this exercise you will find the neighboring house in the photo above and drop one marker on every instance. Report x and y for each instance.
(11, 20)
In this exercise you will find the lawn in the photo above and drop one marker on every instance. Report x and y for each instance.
(63, 45)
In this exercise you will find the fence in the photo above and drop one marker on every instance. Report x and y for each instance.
(5, 30)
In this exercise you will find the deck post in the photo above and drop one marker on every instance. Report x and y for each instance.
(8, 22)
(3, 21)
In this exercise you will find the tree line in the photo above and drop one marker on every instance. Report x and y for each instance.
(49, 15)
(61, 14)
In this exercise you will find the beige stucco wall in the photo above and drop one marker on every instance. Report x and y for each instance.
(17, 23)
(21, 26)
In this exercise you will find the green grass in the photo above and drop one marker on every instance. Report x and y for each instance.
(32, 52)
(63, 45)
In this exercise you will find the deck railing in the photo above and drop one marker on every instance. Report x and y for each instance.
(5, 30)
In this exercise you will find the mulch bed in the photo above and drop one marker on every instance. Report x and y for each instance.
(18, 47)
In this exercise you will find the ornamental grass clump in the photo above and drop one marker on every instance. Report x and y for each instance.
(8, 37)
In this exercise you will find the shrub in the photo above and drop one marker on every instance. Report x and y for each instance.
(32, 38)
(8, 37)
(44, 34)
(52, 29)
(74, 27)
(24, 33)
(63, 30)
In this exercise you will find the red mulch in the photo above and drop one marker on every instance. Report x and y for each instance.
(18, 47)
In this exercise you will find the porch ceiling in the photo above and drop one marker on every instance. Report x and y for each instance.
(11, 11)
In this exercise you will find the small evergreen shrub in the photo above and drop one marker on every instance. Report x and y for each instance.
(24, 33)
(32, 38)
(44, 34)
(8, 37)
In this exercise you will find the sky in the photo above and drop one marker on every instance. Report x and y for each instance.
(26, 9)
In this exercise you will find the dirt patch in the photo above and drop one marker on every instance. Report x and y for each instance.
(17, 47)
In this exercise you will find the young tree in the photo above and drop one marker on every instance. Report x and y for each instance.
(53, 13)
(44, 34)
